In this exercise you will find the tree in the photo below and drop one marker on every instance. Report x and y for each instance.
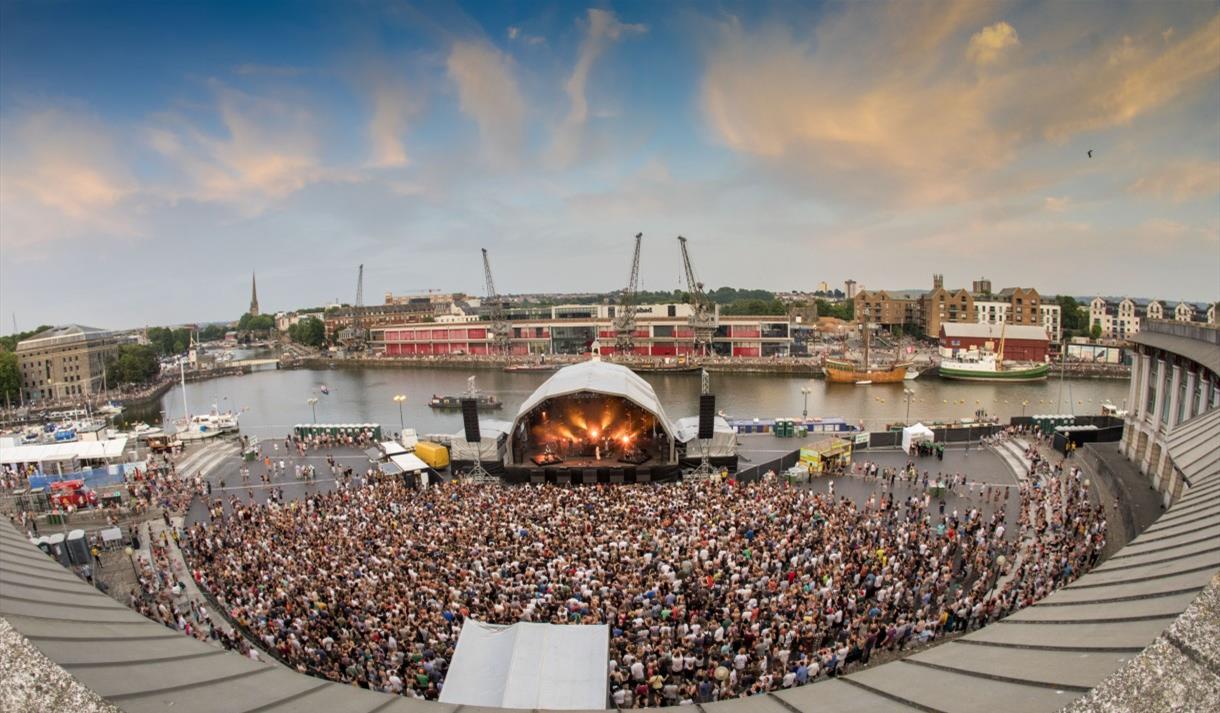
(10, 377)
(845, 310)
(1096, 331)
(256, 323)
(211, 333)
(132, 364)
(168, 341)
(1073, 316)
(309, 332)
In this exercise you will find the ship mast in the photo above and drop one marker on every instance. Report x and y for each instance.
(999, 357)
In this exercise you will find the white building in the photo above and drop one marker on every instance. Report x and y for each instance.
(1118, 319)
(1173, 405)
(997, 312)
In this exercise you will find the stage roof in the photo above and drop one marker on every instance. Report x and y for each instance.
(602, 378)
(71, 450)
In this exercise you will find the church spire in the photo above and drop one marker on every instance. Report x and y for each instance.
(253, 296)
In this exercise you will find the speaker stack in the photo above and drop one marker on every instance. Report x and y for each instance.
(707, 416)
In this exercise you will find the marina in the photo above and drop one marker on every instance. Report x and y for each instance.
(272, 402)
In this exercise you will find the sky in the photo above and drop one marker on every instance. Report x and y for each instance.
(154, 155)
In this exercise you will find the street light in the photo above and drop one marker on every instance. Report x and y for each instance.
(805, 391)
(400, 398)
(1023, 405)
(313, 406)
(908, 393)
(129, 552)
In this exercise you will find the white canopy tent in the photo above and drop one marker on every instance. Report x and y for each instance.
(71, 450)
(491, 434)
(724, 438)
(409, 462)
(918, 433)
(528, 665)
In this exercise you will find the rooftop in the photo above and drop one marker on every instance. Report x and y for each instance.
(65, 334)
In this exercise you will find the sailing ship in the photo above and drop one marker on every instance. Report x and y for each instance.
(847, 371)
(986, 365)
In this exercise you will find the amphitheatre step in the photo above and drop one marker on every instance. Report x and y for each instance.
(1158, 607)
(1107, 635)
(953, 692)
(1064, 669)
(835, 695)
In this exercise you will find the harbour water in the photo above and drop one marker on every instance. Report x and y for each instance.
(272, 401)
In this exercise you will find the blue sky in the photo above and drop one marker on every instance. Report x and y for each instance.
(153, 154)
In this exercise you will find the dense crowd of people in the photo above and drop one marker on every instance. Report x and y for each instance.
(711, 591)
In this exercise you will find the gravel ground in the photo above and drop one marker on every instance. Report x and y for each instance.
(32, 683)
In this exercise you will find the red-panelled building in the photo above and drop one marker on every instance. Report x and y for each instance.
(1021, 342)
(661, 331)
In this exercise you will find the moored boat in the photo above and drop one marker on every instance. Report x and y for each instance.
(847, 371)
(981, 365)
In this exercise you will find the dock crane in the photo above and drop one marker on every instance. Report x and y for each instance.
(624, 319)
(498, 313)
(354, 336)
(704, 320)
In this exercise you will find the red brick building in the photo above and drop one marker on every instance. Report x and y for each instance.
(1021, 342)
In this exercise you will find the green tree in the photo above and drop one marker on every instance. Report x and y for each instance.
(845, 310)
(212, 332)
(309, 332)
(754, 307)
(10, 377)
(1073, 315)
(1095, 331)
(132, 364)
(168, 341)
(256, 323)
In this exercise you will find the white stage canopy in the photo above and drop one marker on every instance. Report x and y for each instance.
(70, 450)
(527, 665)
(724, 438)
(918, 433)
(409, 462)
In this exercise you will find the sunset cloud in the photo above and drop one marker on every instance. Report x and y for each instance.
(989, 43)
(604, 28)
(488, 93)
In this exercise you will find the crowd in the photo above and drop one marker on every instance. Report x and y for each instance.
(711, 591)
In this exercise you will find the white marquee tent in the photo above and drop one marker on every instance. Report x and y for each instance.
(528, 665)
(918, 433)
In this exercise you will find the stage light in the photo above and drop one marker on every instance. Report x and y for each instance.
(626, 440)
(593, 433)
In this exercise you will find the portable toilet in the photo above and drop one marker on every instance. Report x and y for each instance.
(41, 543)
(59, 548)
(78, 548)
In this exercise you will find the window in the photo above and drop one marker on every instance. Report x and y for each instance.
(1166, 384)
(1180, 416)
(1150, 399)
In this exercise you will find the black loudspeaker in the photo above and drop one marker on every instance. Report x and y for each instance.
(707, 416)
(470, 420)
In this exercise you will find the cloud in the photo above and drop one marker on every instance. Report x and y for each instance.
(488, 93)
(515, 34)
(604, 28)
(266, 148)
(880, 104)
(391, 108)
(62, 174)
(1056, 204)
(1180, 181)
(989, 43)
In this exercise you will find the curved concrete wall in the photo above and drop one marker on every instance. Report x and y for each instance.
(1039, 659)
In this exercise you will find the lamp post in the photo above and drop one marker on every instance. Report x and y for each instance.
(399, 398)
(129, 552)
(1023, 405)
(313, 406)
(805, 391)
(908, 393)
